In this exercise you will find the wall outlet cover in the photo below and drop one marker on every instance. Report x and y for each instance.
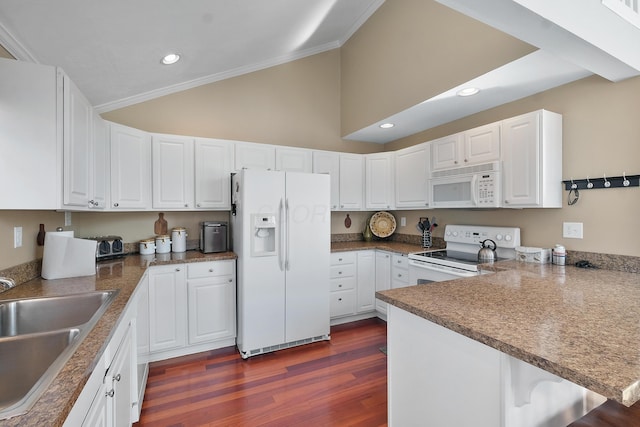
(572, 230)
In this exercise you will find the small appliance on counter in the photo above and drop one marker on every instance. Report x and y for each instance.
(213, 237)
(108, 247)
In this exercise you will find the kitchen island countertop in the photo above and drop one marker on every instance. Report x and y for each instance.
(580, 324)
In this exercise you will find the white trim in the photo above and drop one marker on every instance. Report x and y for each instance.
(626, 9)
(360, 21)
(14, 47)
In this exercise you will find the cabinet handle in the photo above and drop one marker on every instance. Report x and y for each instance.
(198, 205)
(465, 160)
(506, 202)
(399, 275)
(339, 299)
(455, 162)
(117, 378)
(230, 280)
(115, 205)
(110, 393)
(339, 286)
(211, 270)
(177, 269)
(186, 205)
(339, 272)
(339, 259)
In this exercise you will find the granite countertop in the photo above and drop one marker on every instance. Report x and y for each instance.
(580, 324)
(398, 247)
(55, 403)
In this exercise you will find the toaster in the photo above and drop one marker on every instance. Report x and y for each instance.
(108, 247)
(213, 237)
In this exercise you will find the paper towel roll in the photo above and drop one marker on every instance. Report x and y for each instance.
(65, 256)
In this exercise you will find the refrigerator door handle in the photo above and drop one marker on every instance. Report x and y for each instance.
(288, 220)
(281, 260)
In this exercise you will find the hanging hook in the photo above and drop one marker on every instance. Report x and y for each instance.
(607, 184)
(626, 181)
(573, 185)
(589, 183)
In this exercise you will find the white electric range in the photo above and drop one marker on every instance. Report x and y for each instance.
(460, 258)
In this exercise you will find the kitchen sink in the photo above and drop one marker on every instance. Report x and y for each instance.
(31, 315)
(37, 337)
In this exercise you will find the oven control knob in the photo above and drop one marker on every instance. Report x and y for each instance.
(498, 237)
(448, 233)
(455, 234)
(507, 238)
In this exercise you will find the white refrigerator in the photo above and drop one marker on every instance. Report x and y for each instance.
(281, 228)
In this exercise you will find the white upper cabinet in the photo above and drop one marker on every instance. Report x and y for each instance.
(351, 181)
(30, 135)
(478, 145)
(293, 159)
(77, 148)
(532, 160)
(249, 155)
(412, 169)
(328, 162)
(173, 172)
(379, 181)
(130, 168)
(213, 160)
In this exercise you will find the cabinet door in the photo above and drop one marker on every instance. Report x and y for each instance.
(97, 414)
(482, 144)
(100, 171)
(254, 156)
(379, 181)
(212, 173)
(120, 375)
(142, 319)
(521, 161)
(446, 152)
(412, 169)
(130, 168)
(383, 277)
(30, 154)
(77, 150)
(329, 162)
(212, 314)
(167, 308)
(351, 181)
(366, 281)
(173, 175)
(293, 160)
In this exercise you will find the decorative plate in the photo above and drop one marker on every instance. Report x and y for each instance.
(382, 224)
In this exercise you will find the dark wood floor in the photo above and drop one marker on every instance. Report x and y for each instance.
(342, 382)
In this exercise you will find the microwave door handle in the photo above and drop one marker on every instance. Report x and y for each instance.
(474, 190)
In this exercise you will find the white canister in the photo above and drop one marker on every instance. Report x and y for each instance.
(163, 244)
(147, 247)
(179, 239)
(559, 256)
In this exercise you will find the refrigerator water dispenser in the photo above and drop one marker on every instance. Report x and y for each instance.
(263, 238)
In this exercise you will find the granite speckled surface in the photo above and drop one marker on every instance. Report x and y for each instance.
(580, 324)
(385, 245)
(52, 407)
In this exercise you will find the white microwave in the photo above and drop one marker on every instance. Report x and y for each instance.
(478, 186)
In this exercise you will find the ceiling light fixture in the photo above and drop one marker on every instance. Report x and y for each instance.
(171, 58)
(387, 125)
(468, 91)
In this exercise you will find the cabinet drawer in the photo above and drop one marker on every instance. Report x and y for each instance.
(400, 274)
(343, 283)
(210, 269)
(347, 270)
(342, 303)
(339, 258)
(399, 261)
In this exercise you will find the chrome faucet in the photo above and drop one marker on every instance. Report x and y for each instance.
(7, 283)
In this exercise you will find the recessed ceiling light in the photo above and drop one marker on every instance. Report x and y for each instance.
(468, 91)
(171, 58)
(387, 125)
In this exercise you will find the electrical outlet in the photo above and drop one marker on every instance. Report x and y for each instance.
(403, 221)
(17, 237)
(572, 230)
(67, 218)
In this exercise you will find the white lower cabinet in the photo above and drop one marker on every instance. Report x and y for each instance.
(109, 398)
(191, 308)
(211, 290)
(399, 271)
(167, 307)
(355, 278)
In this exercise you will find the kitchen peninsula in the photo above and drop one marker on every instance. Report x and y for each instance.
(577, 324)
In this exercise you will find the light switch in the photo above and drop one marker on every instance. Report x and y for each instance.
(17, 237)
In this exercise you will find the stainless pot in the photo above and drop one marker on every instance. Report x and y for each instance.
(487, 253)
